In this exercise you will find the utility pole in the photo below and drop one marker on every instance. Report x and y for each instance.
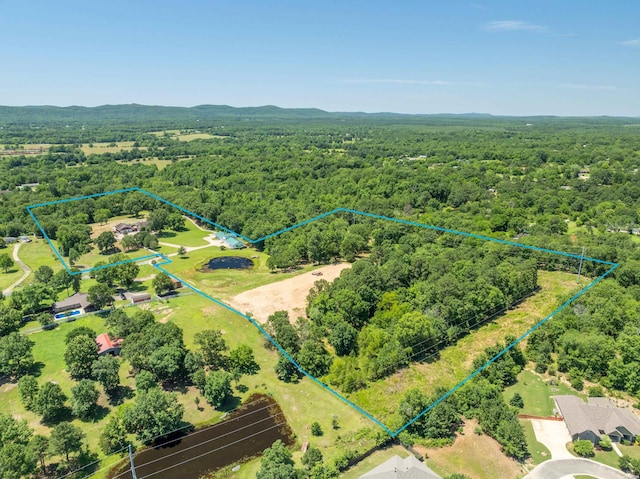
(133, 467)
(580, 267)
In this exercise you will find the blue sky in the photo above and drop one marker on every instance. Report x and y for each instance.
(515, 57)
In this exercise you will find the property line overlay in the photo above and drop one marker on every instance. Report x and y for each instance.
(164, 260)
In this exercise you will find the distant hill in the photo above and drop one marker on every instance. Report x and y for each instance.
(171, 115)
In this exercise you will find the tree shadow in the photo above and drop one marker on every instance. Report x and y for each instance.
(119, 395)
(65, 415)
(110, 251)
(99, 413)
(36, 369)
(166, 234)
(230, 403)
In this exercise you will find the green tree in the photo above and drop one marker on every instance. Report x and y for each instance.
(16, 461)
(182, 251)
(312, 457)
(84, 399)
(28, 389)
(81, 352)
(314, 359)
(16, 357)
(66, 439)
(583, 448)
(145, 380)
(605, 443)
(166, 363)
(162, 284)
(39, 446)
(100, 295)
(153, 414)
(276, 463)
(510, 435)
(217, 388)
(316, 430)
(6, 263)
(213, 346)
(79, 331)
(102, 216)
(10, 320)
(129, 243)
(158, 219)
(105, 370)
(343, 338)
(113, 437)
(517, 401)
(243, 360)
(44, 274)
(50, 402)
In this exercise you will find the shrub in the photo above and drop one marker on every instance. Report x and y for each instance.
(605, 443)
(595, 392)
(583, 448)
(316, 430)
(517, 401)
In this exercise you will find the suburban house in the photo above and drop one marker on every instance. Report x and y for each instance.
(108, 346)
(127, 229)
(597, 417)
(75, 301)
(398, 468)
(230, 240)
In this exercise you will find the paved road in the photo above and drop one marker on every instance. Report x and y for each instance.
(561, 468)
(23, 267)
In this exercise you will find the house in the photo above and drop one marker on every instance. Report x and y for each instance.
(398, 468)
(106, 345)
(124, 229)
(75, 301)
(230, 240)
(10, 240)
(597, 417)
(175, 283)
(140, 298)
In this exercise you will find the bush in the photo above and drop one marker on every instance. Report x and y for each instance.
(552, 371)
(605, 443)
(595, 392)
(517, 401)
(541, 368)
(316, 430)
(583, 448)
(577, 383)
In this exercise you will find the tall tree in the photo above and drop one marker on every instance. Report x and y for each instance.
(81, 352)
(16, 357)
(50, 402)
(66, 439)
(153, 414)
(213, 347)
(105, 370)
(84, 399)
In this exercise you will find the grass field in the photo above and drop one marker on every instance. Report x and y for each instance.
(454, 363)
(610, 458)
(479, 457)
(13, 274)
(537, 394)
(99, 148)
(539, 452)
(177, 134)
(190, 236)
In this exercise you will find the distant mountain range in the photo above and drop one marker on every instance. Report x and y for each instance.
(134, 113)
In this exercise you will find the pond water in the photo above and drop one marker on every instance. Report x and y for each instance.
(228, 262)
(247, 432)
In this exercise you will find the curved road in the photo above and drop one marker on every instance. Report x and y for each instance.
(561, 468)
(23, 267)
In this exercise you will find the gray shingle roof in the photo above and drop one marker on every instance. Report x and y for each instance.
(398, 468)
(600, 414)
(78, 300)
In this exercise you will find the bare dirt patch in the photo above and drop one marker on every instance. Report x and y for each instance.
(287, 295)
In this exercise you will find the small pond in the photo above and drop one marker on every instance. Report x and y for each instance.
(227, 262)
(246, 432)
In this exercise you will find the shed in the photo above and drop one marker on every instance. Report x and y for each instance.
(106, 345)
(231, 240)
(175, 283)
(139, 298)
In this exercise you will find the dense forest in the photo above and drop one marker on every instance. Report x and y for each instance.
(557, 183)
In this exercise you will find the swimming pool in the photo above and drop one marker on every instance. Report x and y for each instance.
(66, 314)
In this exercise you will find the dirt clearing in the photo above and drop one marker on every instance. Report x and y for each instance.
(287, 295)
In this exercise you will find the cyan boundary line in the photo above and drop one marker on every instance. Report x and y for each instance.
(507, 348)
(268, 336)
(305, 222)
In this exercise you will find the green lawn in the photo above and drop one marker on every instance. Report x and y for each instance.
(539, 452)
(39, 253)
(537, 394)
(610, 458)
(191, 236)
(13, 274)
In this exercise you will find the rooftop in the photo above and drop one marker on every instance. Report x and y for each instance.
(599, 415)
(398, 468)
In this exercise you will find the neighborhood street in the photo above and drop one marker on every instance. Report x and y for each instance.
(561, 468)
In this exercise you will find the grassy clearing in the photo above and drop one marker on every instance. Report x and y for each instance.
(100, 148)
(157, 162)
(479, 457)
(454, 363)
(539, 452)
(14, 273)
(178, 135)
(537, 394)
(190, 236)
(225, 283)
(610, 458)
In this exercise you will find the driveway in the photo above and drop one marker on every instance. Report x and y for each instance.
(554, 435)
(562, 468)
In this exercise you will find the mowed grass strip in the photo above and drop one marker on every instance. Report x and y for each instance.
(539, 452)
(455, 362)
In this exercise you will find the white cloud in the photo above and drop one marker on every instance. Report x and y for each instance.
(579, 86)
(514, 26)
(632, 43)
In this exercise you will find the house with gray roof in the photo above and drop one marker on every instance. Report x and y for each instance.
(398, 468)
(597, 417)
(75, 301)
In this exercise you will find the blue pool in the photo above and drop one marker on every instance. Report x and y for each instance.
(67, 314)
